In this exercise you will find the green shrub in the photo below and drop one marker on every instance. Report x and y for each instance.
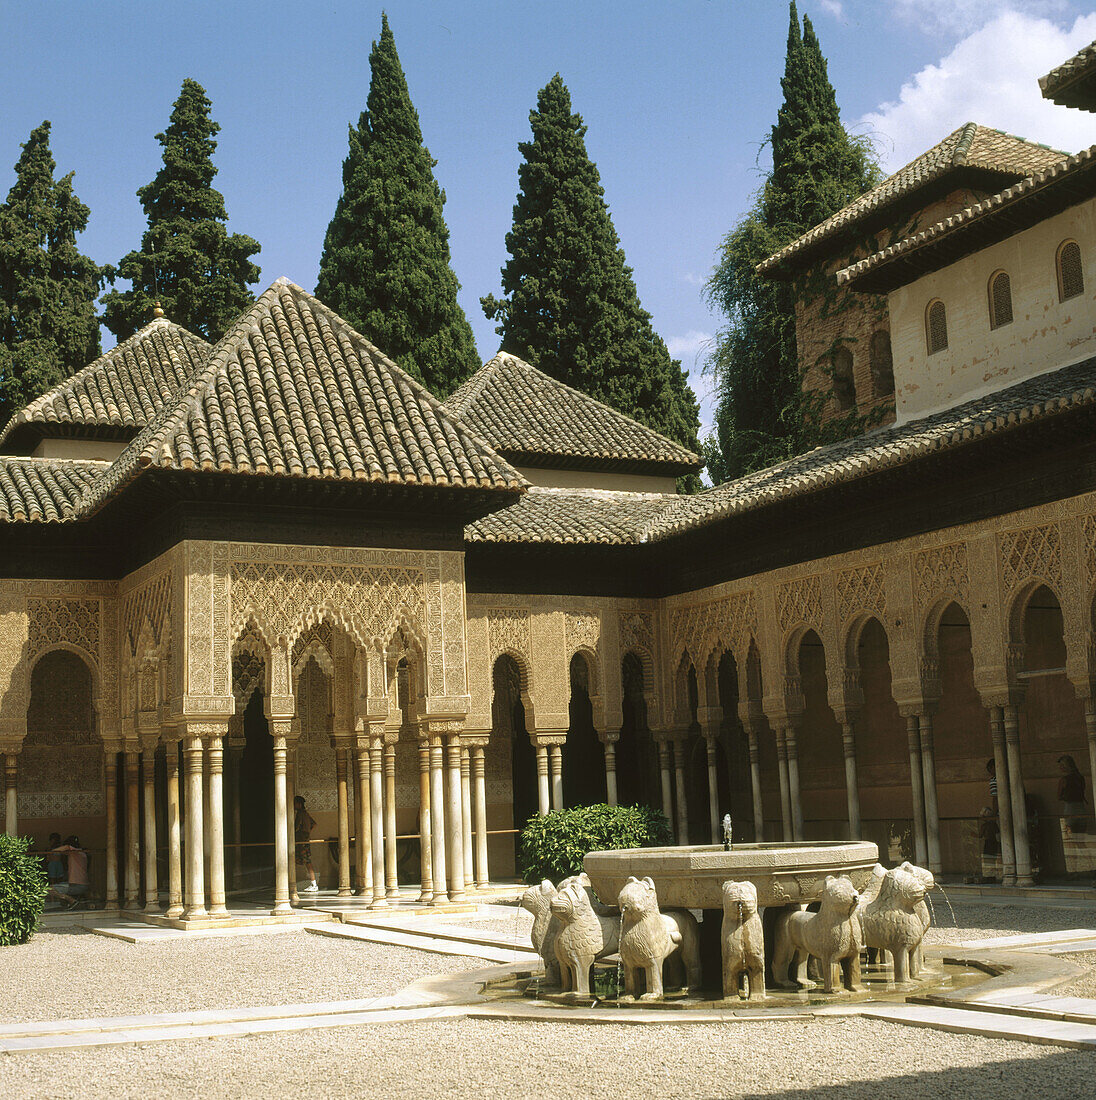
(22, 890)
(552, 845)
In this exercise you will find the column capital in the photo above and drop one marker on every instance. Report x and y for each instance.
(206, 728)
(441, 726)
(476, 739)
(548, 738)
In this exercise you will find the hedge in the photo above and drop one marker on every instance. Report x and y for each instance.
(22, 890)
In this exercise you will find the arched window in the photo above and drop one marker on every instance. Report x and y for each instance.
(936, 327)
(882, 366)
(1000, 299)
(844, 388)
(1071, 277)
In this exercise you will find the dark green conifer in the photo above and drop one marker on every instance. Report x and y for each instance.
(385, 265)
(572, 308)
(817, 169)
(188, 261)
(48, 327)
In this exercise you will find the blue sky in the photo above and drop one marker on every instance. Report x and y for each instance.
(678, 99)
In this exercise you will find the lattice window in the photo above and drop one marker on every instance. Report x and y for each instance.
(936, 327)
(882, 365)
(844, 387)
(1000, 300)
(1071, 276)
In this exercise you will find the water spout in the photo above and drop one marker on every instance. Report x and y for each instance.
(726, 832)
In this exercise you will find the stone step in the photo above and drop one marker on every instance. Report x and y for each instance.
(435, 930)
(439, 946)
(1033, 941)
(993, 1025)
(1077, 1010)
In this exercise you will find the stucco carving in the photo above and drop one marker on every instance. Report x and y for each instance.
(941, 570)
(800, 601)
(637, 631)
(508, 630)
(861, 589)
(1031, 552)
(61, 621)
(583, 632)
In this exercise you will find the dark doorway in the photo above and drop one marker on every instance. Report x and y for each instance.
(255, 790)
(583, 756)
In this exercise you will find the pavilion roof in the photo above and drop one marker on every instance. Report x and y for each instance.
(1073, 83)
(41, 490)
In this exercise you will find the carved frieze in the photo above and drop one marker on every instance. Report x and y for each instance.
(800, 601)
(941, 571)
(861, 589)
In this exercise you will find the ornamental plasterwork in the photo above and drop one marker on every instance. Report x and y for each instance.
(149, 604)
(941, 570)
(583, 632)
(1031, 552)
(861, 589)
(637, 631)
(59, 621)
(727, 623)
(800, 601)
(508, 631)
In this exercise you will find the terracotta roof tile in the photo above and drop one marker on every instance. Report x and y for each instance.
(1071, 83)
(40, 490)
(529, 417)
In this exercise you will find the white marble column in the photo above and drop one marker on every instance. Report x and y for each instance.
(1004, 796)
(852, 790)
(453, 821)
(110, 777)
(755, 784)
(215, 826)
(677, 750)
(364, 827)
(795, 799)
(148, 775)
(480, 785)
(282, 817)
(437, 820)
(932, 813)
(1020, 837)
(133, 827)
(195, 862)
(426, 857)
(376, 819)
(391, 883)
(1090, 731)
(342, 795)
(611, 795)
(174, 833)
(291, 820)
(11, 800)
(466, 815)
(714, 816)
(555, 767)
(917, 789)
(785, 789)
(543, 803)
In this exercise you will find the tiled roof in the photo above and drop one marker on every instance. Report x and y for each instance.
(1073, 83)
(528, 416)
(125, 388)
(971, 146)
(584, 516)
(292, 390)
(885, 448)
(43, 490)
(1067, 182)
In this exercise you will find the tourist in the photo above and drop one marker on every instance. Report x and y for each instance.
(55, 863)
(1071, 794)
(303, 824)
(75, 887)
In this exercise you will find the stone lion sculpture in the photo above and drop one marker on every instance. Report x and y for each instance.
(868, 894)
(538, 901)
(648, 937)
(891, 922)
(584, 935)
(743, 941)
(832, 935)
(928, 880)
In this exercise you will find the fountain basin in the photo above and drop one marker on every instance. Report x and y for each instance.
(692, 876)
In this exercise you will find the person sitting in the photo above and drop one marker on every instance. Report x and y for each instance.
(55, 864)
(74, 889)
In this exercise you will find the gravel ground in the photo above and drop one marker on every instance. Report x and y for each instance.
(1083, 987)
(979, 921)
(61, 975)
(520, 924)
(850, 1059)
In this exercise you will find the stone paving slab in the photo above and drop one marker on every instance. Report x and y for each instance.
(148, 933)
(400, 938)
(992, 1025)
(1031, 940)
(437, 930)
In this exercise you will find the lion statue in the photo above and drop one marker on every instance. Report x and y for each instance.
(648, 937)
(832, 935)
(584, 935)
(743, 941)
(891, 922)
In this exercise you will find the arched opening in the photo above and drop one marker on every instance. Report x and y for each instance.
(61, 763)
(637, 766)
(882, 752)
(1071, 275)
(767, 764)
(936, 327)
(882, 364)
(695, 761)
(1000, 299)
(314, 778)
(510, 745)
(583, 756)
(844, 386)
(821, 755)
(735, 792)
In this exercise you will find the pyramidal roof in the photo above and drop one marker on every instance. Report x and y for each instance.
(971, 146)
(124, 389)
(532, 418)
(292, 390)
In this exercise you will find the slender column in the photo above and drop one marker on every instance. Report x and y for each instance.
(454, 827)
(610, 772)
(1090, 730)
(466, 814)
(195, 864)
(282, 821)
(365, 831)
(1019, 807)
(1004, 799)
(291, 820)
(236, 756)
(794, 799)
(555, 765)
(133, 828)
(755, 785)
(216, 826)
(542, 780)
(782, 765)
(917, 789)
(376, 819)
(932, 814)
(110, 770)
(342, 795)
(148, 774)
(852, 792)
(483, 878)
(713, 792)
(391, 883)
(11, 803)
(677, 751)
(174, 832)
(426, 856)
(667, 783)
(437, 820)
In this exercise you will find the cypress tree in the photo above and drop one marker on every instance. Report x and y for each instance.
(48, 327)
(572, 307)
(187, 261)
(385, 265)
(817, 169)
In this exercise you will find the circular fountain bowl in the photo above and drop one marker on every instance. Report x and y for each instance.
(692, 877)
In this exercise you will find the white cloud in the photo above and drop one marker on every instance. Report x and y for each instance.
(693, 279)
(954, 18)
(990, 77)
(833, 7)
(690, 345)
